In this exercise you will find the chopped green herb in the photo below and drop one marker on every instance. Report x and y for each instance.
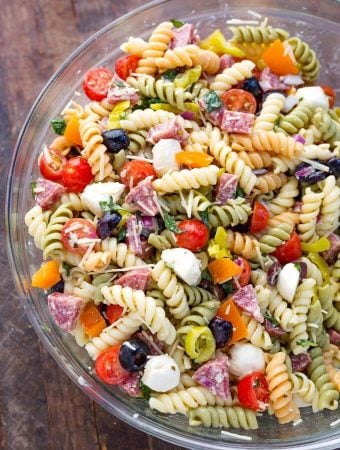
(256, 383)
(227, 287)
(177, 23)
(306, 343)
(204, 215)
(170, 74)
(119, 83)
(33, 186)
(170, 223)
(206, 275)
(58, 125)
(145, 103)
(110, 206)
(271, 319)
(121, 234)
(67, 267)
(146, 391)
(297, 266)
(212, 101)
(239, 192)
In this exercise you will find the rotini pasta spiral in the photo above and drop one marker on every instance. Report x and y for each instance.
(242, 244)
(233, 213)
(256, 160)
(137, 140)
(328, 127)
(285, 198)
(120, 254)
(320, 151)
(328, 395)
(258, 35)
(274, 237)
(270, 112)
(200, 315)
(98, 109)
(165, 90)
(270, 182)
(236, 166)
(172, 289)
(231, 76)
(186, 179)
(229, 416)
(256, 333)
(162, 241)
(116, 333)
(305, 389)
(280, 389)
(269, 141)
(176, 351)
(152, 315)
(300, 306)
(306, 58)
(96, 261)
(284, 164)
(51, 240)
(291, 218)
(143, 119)
(196, 295)
(330, 207)
(134, 46)
(332, 315)
(333, 373)
(300, 117)
(311, 202)
(36, 220)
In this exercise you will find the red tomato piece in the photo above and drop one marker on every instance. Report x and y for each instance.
(114, 312)
(125, 65)
(259, 218)
(108, 367)
(135, 171)
(73, 231)
(96, 83)
(76, 174)
(290, 250)
(331, 94)
(253, 391)
(239, 100)
(244, 278)
(51, 163)
(194, 235)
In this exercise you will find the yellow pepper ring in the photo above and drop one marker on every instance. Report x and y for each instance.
(200, 344)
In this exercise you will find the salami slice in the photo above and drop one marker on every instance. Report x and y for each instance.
(47, 193)
(245, 299)
(65, 309)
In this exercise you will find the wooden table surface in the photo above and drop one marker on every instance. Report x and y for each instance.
(40, 408)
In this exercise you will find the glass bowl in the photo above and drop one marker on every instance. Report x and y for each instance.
(314, 21)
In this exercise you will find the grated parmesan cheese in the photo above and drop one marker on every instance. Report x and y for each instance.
(139, 158)
(190, 202)
(74, 227)
(124, 269)
(86, 255)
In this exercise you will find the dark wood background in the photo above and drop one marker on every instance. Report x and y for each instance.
(40, 408)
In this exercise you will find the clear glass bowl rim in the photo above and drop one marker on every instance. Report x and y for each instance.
(71, 367)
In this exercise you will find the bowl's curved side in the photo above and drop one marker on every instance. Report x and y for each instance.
(24, 257)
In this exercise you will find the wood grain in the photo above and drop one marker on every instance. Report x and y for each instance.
(40, 408)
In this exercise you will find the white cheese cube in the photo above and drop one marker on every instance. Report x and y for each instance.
(161, 373)
(95, 193)
(313, 95)
(164, 153)
(245, 359)
(184, 263)
(288, 281)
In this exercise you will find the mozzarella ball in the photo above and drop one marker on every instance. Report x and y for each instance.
(161, 373)
(245, 359)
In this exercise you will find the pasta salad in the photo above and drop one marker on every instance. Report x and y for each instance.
(188, 217)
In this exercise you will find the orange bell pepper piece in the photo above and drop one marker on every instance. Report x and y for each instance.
(228, 311)
(280, 59)
(92, 321)
(223, 270)
(71, 133)
(47, 276)
(194, 159)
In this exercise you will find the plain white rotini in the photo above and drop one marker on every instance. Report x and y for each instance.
(152, 315)
(120, 254)
(257, 335)
(270, 112)
(305, 388)
(231, 76)
(330, 206)
(285, 198)
(311, 203)
(186, 179)
(36, 220)
(134, 46)
(144, 119)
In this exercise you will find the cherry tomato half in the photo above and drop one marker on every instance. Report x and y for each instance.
(96, 83)
(125, 65)
(108, 367)
(290, 250)
(74, 231)
(135, 171)
(76, 174)
(239, 100)
(114, 312)
(51, 163)
(244, 278)
(259, 218)
(194, 235)
(331, 94)
(253, 392)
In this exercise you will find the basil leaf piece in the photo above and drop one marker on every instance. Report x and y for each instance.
(206, 275)
(119, 83)
(170, 223)
(67, 267)
(146, 391)
(170, 74)
(33, 186)
(227, 287)
(204, 215)
(239, 192)
(306, 343)
(109, 206)
(271, 319)
(121, 234)
(212, 101)
(58, 125)
(177, 23)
